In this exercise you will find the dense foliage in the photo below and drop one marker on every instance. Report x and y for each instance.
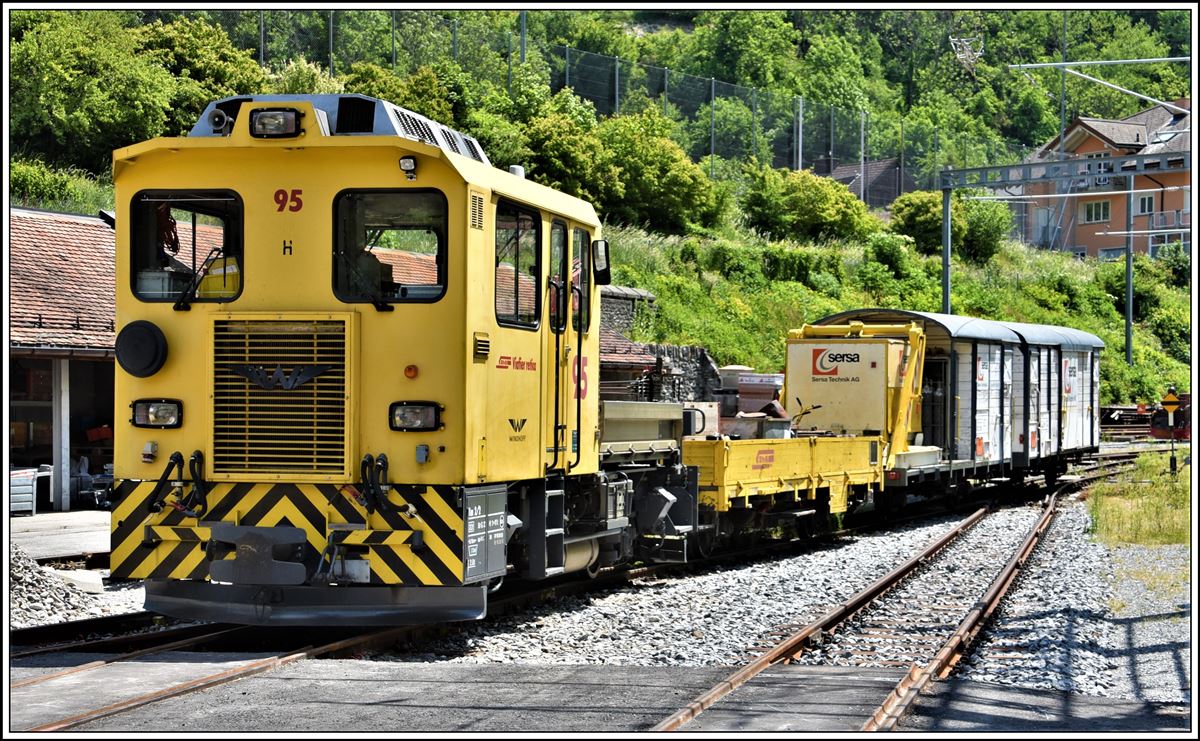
(738, 254)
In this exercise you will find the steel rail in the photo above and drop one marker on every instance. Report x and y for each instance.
(796, 643)
(127, 656)
(906, 691)
(910, 687)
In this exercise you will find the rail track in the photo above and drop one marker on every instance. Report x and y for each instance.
(126, 652)
(930, 644)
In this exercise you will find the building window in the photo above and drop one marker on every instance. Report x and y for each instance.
(1145, 205)
(1096, 211)
(1101, 167)
(518, 265)
(1112, 253)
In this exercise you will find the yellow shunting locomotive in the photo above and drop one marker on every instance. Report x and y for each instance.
(361, 370)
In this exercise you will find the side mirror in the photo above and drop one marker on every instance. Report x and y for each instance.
(600, 269)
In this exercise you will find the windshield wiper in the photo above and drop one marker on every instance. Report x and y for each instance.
(184, 302)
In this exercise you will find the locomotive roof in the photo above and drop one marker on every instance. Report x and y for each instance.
(972, 328)
(352, 114)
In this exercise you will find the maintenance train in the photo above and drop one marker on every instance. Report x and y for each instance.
(360, 368)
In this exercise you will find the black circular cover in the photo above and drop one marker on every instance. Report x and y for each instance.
(141, 348)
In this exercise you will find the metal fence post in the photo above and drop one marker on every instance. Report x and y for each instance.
(567, 83)
(509, 84)
(331, 73)
(454, 38)
(900, 185)
(262, 40)
(393, 41)
(616, 85)
(712, 126)
(862, 156)
(666, 82)
(754, 121)
(522, 37)
(800, 135)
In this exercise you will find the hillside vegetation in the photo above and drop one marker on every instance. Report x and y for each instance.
(736, 258)
(727, 294)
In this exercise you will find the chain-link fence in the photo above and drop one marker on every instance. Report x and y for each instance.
(720, 125)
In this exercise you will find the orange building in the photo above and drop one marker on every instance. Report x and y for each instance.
(1099, 199)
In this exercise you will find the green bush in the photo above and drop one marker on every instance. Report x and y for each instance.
(895, 251)
(789, 204)
(919, 215)
(988, 224)
(1177, 264)
(32, 184)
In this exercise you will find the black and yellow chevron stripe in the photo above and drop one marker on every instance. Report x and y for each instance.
(171, 545)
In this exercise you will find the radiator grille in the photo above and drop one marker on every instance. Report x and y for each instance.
(259, 424)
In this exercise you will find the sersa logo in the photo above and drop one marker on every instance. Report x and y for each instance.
(825, 363)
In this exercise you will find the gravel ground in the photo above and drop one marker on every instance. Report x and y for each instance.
(1093, 620)
(701, 620)
(37, 596)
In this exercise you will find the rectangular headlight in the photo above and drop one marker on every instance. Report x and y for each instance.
(413, 416)
(275, 123)
(157, 413)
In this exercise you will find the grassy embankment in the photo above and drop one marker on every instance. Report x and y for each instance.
(721, 292)
(1146, 505)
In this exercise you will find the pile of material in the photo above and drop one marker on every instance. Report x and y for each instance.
(37, 596)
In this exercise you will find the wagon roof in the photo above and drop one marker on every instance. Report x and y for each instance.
(988, 330)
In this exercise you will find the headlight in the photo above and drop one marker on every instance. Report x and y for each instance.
(412, 416)
(275, 123)
(157, 413)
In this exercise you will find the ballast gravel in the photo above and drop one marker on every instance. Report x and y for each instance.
(711, 619)
(37, 596)
(1094, 620)
(1083, 617)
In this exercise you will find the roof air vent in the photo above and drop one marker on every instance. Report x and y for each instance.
(517, 170)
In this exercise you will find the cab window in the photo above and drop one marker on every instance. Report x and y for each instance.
(186, 244)
(560, 281)
(518, 265)
(389, 246)
(583, 277)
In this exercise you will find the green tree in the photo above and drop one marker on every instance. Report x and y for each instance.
(301, 77)
(732, 125)
(567, 154)
(205, 64)
(745, 47)
(372, 80)
(832, 74)
(663, 188)
(65, 103)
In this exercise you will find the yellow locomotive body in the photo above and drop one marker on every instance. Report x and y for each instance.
(356, 341)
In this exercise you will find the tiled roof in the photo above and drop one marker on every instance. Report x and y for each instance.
(61, 281)
(1132, 135)
(617, 350)
(1137, 132)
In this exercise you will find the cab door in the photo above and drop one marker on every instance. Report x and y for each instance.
(515, 423)
(559, 349)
